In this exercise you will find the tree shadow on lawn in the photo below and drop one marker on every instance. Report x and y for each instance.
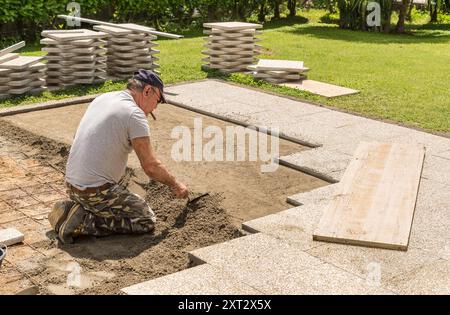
(418, 34)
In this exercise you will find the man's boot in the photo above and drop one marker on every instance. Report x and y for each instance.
(59, 213)
(72, 225)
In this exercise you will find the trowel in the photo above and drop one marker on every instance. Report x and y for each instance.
(196, 197)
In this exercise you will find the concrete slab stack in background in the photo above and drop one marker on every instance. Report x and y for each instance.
(129, 49)
(279, 71)
(20, 74)
(231, 46)
(74, 57)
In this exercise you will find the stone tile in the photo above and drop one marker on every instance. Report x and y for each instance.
(38, 209)
(279, 65)
(4, 207)
(436, 168)
(34, 232)
(21, 62)
(20, 252)
(9, 216)
(294, 225)
(12, 194)
(232, 26)
(258, 260)
(199, 280)
(22, 202)
(324, 279)
(10, 236)
(11, 281)
(430, 229)
(50, 196)
(321, 88)
(319, 162)
(313, 196)
(372, 264)
(429, 279)
(433, 144)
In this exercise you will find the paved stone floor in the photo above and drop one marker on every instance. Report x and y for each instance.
(281, 257)
(27, 191)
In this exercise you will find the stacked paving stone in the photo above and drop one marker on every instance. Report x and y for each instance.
(129, 49)
(74, 57)
(20, 74)
(279, 71)
(231, 46)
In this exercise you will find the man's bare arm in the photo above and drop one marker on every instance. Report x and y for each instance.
(154, 167)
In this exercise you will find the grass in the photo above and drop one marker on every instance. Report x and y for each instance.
(402, 78)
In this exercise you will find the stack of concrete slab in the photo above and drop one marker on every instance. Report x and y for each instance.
(20, 74)
(231, 46)
(74, 57)
(279, 71)
(129, 49)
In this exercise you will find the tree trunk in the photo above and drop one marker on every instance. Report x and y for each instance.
(433, 13)
(292, 7)
(212, 8)
(411, 6)
(276, 9)
(402, 16)
(262, 12)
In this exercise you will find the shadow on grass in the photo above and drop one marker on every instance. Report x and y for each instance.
(78, 90)
(416, 35)
(287, 21)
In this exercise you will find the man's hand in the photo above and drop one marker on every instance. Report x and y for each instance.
(155, 169)
(180, 190)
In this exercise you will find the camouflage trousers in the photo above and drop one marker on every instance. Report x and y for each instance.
(115, 210)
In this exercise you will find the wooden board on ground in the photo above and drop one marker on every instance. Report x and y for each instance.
(374, 203)
(320, 88)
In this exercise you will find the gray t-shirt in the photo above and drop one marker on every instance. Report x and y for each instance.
(99, 153)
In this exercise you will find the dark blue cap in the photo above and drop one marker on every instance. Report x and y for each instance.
(151, 78)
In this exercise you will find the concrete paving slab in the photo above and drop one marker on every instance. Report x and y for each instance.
(431, 220)
(10, 236)
(321, 88)
(304, 218)
(293, 225)
(320, 162)
(325, 279)
(313, 196)
(199, 280)
(137, 28)
(8, 57)
(429, 279)
(112, 30)
(280, 65)
(86, 34)
(378, 266)
(436, 168)
(21, 62)
(12, 48)
(232, 26)
(288, 271)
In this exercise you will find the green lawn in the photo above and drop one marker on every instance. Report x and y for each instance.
(403, 78)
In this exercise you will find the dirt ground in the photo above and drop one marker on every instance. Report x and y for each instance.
(238, 192)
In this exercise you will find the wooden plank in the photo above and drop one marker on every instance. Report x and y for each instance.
(374, 203)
